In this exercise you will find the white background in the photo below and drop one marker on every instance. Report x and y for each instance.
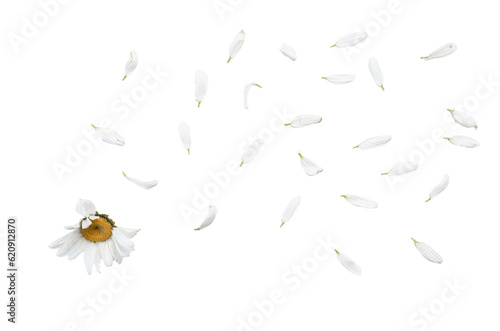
(69, 75)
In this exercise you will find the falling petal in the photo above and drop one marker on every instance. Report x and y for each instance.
(304, 120)
(309, 166)
(245, 93)
(439, 188)
(463, 141)
(201, 85)
(146, 185)
(339, 79)
(348, 263)
(360, 201)
(427, 252)
(441, 52)
(290, 210)
(252, 151)
(185, 134)
(288, 51)
(376, 72)
(212, 212)
(109, 136)
(131, 64)
(374, 142)
(236, 44)
(351, 39)
(402, 168)
(463, 119)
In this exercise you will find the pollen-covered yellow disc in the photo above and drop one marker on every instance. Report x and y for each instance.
(99, 230)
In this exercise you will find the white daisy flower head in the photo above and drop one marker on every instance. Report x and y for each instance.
(97, 237)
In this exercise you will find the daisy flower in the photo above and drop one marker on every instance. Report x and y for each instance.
(97, 237)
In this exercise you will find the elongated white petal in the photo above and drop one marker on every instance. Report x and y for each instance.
(212, 212)
(185, 134)
(252, 151)
(290, 210)
(288, 51)
(109, 136)
(348, 263)
(402, 168)
(374, 142)
(131, 64)
(463, 119)
(360, 201)
(86, 223)
(309, 166)
(376, 72)
(146, 185)
(245, 93)
(427, 252)
(304, 120)
(201, 85)
(463, 141)
(236, 44)
(441, 52)
(89, 256)
(351, 39)
(339, 79)
(439, 188)
(85, 207)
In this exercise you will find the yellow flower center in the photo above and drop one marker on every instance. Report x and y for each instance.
(99, 230)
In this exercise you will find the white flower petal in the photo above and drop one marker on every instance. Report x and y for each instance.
(77, 249)
(71, 241)
(439, 188)
(427, 252)
(236, 44)
(89, 256)
(290, 210)
(463, 119)
(201, 85)
(304, 120)
(109, 136)
(107, 257)
(351, 39)
(245, 93)
(374, 142)
(309, 166)
(288, 51)
(252, 151)
(85, 208)
(348, 263)
(129, 233)
(72, 227)
(463, 141)
(146, 185)
(212, 212)
(441, 52)
(86, 223)
(185, 134)
(97, 259)
(339, 79)
(360, 201)
(376, 72)
(402, 168)
(131, 64)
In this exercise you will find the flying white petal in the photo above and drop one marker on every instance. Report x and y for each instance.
(339, 79)
(402, 168)
(146, 185)
(236, 44)
(290, 210)
(441, 52)
(85, 208)
(360, 201)
(201, 85)
(131, 64)
(252, 151)
(109, 136)
(348, 263)
(376, 72)
(288, 51)
(185, 134)
(304, 120)
(309, 166)
(245, 93)
(427, 252)
(351, 39)
(463, 119)
(212, 212)
(374, 142)
(439, 188)
(463, 141)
